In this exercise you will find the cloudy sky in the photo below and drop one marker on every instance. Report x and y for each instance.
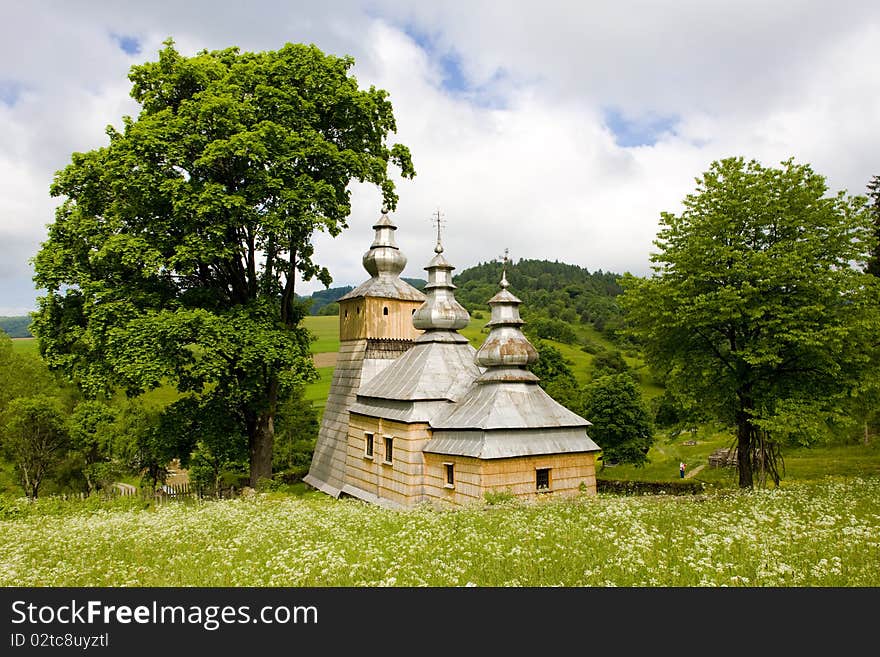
(557, 129)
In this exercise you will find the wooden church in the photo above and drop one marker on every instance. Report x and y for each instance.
(415, 414)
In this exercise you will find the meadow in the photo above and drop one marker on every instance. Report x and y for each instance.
(818, 534)
(819, 528)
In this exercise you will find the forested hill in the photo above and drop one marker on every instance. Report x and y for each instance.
(555, 289)
(16, 327)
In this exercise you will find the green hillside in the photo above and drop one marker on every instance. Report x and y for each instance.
(16, 327)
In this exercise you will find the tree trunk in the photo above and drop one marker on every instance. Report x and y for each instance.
(261, 441)
(744, 432)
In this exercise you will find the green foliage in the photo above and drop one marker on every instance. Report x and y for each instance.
(295, 435)
(176, 247)
(92, 432)
(608, 362)
(622, 426)
(555, 373)
(553, 290)
(550, 329)
(756, 311)
(318, 301)
(142, 445)
(494, 497)
(331, 308)
(873, 266)
(34, 438)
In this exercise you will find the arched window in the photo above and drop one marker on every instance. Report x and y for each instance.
(385, 310)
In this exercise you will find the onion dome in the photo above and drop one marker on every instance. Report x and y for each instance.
(384, 258)
(440, 312)
(506, 352)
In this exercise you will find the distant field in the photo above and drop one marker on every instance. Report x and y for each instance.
(326, 330)
(25, 345)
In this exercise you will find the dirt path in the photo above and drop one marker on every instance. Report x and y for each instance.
(327, 359)
(690, 474)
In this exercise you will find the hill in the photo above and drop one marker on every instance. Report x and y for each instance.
(553, 289)
(16, 327)
(320, 300)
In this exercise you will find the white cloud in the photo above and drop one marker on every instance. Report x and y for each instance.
(533, 169)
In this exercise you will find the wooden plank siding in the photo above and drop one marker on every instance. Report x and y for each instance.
(415, 476)
(401, 481)
(365, 318)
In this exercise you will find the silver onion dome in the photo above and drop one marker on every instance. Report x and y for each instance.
(506, 352)
(440, 311)
(384, 258)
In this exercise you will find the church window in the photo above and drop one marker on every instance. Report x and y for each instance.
(359, 310)
(542, 479)
(450, 474)
(368, 446)
(385, 310)
(389, 449)
(346, 313)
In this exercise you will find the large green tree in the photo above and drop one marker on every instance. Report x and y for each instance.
(759, 309)
(34, 438)
(622, 425)
(175, 250)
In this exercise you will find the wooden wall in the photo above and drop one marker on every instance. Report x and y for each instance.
(401, 481)
(365, 318)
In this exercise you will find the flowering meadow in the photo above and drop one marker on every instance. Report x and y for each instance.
(821, 534)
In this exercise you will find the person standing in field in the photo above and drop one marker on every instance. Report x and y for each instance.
(681, 466)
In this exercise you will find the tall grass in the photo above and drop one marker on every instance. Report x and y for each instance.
(809, 535)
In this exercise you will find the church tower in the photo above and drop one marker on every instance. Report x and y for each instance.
(375, 327)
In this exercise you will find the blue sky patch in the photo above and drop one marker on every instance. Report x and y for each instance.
(128, 44)
(449, 61)
(10, 92)
(642, 131)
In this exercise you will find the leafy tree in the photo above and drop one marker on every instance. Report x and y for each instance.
(622, 425)
(91, 428)
(874, 195)
(756, 310)
(34, 438)
(144, 443)
(174, 253)
(216, 432)
(556, 376)
(297, 432)
(609, 362)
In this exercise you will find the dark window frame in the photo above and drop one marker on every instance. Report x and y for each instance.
(389, 450)
(542, 479)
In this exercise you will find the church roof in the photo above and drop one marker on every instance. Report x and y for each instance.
(385, 287)
(507, 405)
(384, 261)
(440, 366)
(510, 443)
(428, 370)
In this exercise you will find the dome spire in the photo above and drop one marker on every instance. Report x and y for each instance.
(506, 352)
(441, 315)
(384, 258)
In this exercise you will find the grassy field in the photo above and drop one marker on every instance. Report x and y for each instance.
(822, 534)
(25, 345)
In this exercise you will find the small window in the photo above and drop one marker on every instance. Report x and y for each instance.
(368, 445)
(385, 310)
(542, 479)
(450, 474)
(346, 313)
(389, 449)
(413, 311)
(359, 310)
